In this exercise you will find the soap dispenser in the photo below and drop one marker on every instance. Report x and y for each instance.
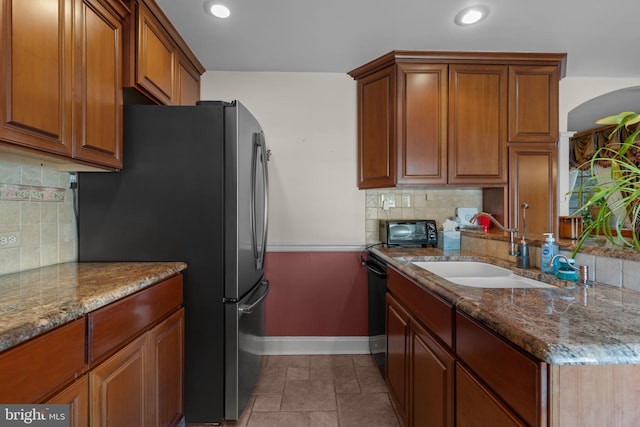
(547, 251)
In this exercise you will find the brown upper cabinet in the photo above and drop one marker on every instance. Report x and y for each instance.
(61, 79)
(533, 103)
(446, 118)
(159, 63)
(63, 70)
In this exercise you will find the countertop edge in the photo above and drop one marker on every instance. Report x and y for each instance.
(64, 312)
(551, 353)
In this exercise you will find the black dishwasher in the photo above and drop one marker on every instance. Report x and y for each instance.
(377, 290)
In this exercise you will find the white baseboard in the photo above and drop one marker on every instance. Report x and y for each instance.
(316, 345)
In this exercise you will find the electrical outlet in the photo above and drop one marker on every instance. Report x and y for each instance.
(9, 239)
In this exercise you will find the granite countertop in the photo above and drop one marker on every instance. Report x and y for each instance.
(36, 301)
(577, 325)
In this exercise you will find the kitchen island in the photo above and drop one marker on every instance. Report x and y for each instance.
(105, 338)
(565, 356)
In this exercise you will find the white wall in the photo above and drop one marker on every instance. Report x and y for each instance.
(309, 121)
(577, 90)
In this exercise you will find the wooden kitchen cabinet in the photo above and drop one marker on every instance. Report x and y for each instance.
(376, 129)
(477, 124)
(37, 75)
(501, 372)
(422, 123)
(431, 380)
(38, 367)
(98, 84)
(475, 404)
(187, 83)
(61, 67)
(444, 118)
(420, 367)
(155, 57)
(397, 371)
(533, 103)
(166, 371)
(76, 396)
(119, 387)
(158, 62)
(532, 180)
(142, 383)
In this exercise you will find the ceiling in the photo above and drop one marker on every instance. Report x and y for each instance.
(600, 37)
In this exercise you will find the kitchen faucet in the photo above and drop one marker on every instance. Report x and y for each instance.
(511, 231)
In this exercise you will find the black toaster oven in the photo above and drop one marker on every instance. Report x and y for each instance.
(412, 232)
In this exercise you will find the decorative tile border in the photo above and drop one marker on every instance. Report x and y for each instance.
(34, 193)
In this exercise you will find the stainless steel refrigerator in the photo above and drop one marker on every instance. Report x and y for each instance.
(193, 188)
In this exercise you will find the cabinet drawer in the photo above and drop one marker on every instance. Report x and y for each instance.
(113, 325)
(37, 367)
(518, 379)
(433, 312)
(474, 402)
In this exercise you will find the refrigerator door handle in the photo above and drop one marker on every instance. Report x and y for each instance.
(260, 157)
(263, 290)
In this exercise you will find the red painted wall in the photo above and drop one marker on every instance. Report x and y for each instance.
(316, 294)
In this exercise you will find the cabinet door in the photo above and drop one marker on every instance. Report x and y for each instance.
(398, 355)
(376, 130)
(533, 103)
(422, 124)
(155, 57)
(532, 180)
(477, 407)
(37, 96)
(431, 381)
(119, 393)
(167, 371)
(477, 124)
(187, 84)
(77, 397)
(98, 73)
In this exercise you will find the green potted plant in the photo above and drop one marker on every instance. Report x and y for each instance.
(617, 167)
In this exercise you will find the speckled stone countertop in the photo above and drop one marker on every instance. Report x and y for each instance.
(577, 325)
(35, 301)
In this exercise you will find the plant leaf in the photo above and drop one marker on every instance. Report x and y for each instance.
(616, 119)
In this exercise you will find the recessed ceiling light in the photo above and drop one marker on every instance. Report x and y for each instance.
(217, 8)
(471, 15)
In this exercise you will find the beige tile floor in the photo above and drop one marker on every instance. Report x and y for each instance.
(319, 391)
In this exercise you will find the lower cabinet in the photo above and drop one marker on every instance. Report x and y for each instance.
(141, 385)
(166, 366)
(76, 396)
(431, 380)
(398, 355)
(475, 404)
(420, 368)
(120, 387)
(485, 381)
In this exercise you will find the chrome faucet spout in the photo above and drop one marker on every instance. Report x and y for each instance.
(511, 231)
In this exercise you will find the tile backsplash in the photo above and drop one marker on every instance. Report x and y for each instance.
(37, 220)
(437, 204)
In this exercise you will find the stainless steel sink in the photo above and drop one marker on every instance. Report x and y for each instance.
(479, 274)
